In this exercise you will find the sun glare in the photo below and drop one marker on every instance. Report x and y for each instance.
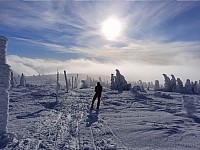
(111, 28)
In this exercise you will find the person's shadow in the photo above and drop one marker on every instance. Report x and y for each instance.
(195, 118)
(92, 117)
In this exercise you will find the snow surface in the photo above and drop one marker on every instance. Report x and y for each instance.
(125, 121)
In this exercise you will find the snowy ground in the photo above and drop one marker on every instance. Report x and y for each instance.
(125, 121)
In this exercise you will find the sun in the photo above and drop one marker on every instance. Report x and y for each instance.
(111, 28)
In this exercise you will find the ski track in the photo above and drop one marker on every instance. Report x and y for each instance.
(99, 134)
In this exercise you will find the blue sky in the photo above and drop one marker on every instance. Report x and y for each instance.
(156, 37)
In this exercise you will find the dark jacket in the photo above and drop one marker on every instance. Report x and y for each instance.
(98, 89)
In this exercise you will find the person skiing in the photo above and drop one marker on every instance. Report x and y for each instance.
(98, 91)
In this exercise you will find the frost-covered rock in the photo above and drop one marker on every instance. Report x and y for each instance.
(188, 105)
(4, 85)
(22, 80)
(167, 84)
(156, 86)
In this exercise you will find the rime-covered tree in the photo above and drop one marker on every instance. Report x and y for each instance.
(198, 87)
(118, 82)
(195, 87)
(167, 84)
(188, 87)
(112, 82)
(12, 80)
(22, 80)
(173, 83)
(179, 86)
(157, 85)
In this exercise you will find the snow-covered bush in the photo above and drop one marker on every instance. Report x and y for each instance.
(189, 105)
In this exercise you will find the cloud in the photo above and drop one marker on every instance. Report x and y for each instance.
(147, 52)
(75, 27)
(132, 70)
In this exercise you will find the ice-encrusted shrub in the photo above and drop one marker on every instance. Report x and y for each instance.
(189, 105)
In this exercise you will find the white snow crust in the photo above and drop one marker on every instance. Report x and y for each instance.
(125, 121)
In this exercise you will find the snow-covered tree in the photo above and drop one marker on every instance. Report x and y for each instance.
(195, 87)
(22, 80)
(173, 83)
(141, 85)
(167, 84)
(118, 82)
(179, 86)
(112, 82)
(198, 88)
(157, 86)
(12, 80)
(188, 87)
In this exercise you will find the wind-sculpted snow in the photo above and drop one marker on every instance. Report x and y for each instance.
(125, 121)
